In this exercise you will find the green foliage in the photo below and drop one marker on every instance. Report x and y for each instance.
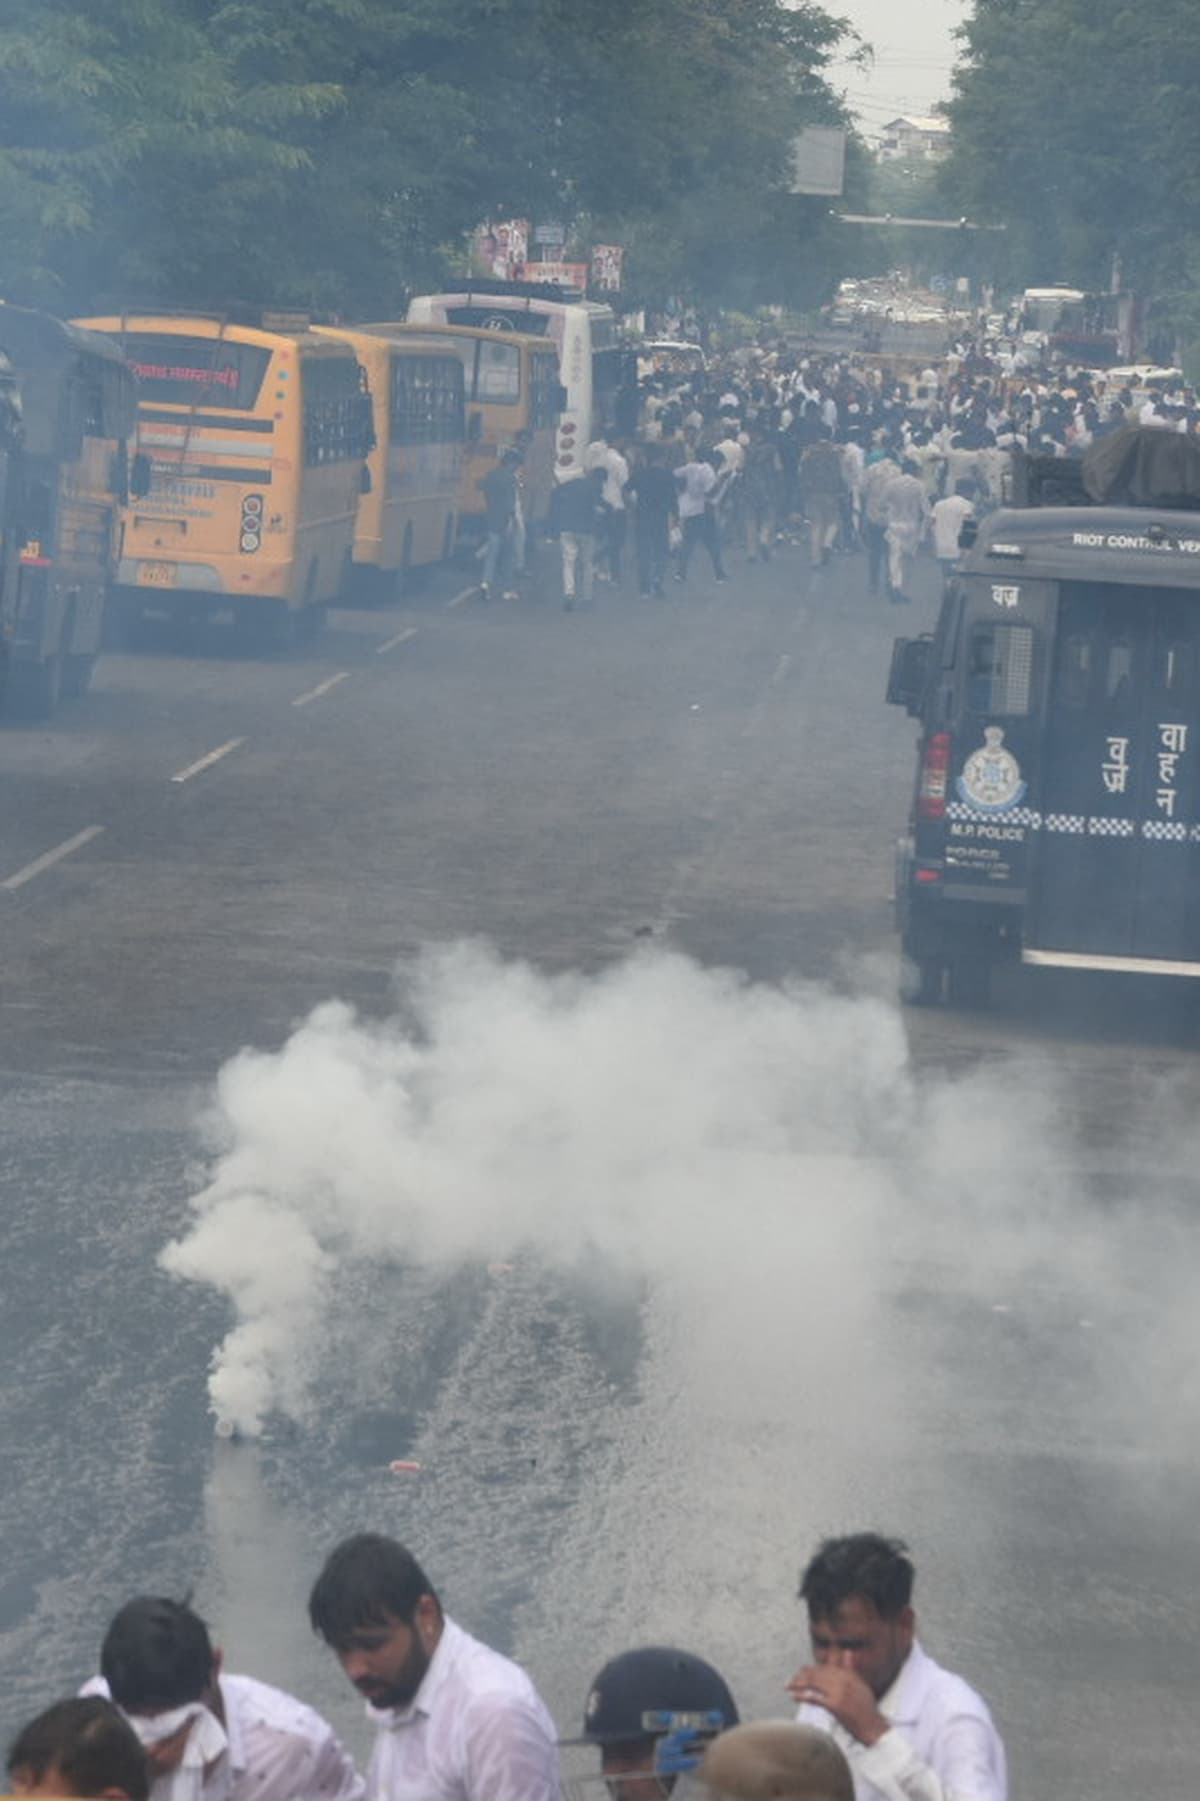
(1074, 122)
(328, 151)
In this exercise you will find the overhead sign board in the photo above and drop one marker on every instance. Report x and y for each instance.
(818, 161)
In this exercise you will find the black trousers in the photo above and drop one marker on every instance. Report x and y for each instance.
(653, 545)
(701, 528)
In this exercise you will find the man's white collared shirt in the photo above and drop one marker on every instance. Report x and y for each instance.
(942, 1745)
(279, 1748)
(477, 1730)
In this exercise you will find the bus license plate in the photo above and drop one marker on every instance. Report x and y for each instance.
(157, 575)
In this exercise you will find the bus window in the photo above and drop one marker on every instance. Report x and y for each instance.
(185, 371)
(336, 412)
(1000, 669)
(498, 374)
(427, 405)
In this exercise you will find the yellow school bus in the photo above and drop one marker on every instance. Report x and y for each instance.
(513, 396)
(406, 517)
(66, 416)
(257, 436)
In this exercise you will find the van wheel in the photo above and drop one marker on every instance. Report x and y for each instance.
(970, 982)
(77, 675)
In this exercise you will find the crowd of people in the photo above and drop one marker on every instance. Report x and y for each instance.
(877, 1718)
(844, 453)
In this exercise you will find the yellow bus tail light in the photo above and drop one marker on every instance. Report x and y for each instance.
(252, 523)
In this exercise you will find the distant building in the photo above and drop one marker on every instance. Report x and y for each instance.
(914, 139)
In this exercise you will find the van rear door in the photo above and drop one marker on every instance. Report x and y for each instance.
(1115, 877)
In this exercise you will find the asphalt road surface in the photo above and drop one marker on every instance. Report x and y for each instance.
(210, 844)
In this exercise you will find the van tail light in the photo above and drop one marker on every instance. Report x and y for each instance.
(935, 772)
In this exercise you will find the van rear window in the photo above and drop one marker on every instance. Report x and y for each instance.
(1000, 669)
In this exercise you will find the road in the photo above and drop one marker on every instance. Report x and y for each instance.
(689, 1274)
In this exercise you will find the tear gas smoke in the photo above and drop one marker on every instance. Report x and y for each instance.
(680, 1124)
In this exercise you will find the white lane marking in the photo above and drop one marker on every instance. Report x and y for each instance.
(50, 858)
(207, 761)
(302, 700)
(410, 631)
(464, 596)
(781, 668)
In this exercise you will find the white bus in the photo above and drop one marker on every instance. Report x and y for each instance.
(591, 359)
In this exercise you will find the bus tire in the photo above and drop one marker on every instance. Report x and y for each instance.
(77, 675)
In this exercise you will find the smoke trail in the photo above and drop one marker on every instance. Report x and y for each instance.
(662, 1118)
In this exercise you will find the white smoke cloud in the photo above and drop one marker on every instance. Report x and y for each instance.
(675, 1122)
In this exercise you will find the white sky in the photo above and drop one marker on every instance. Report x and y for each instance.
(914, 51)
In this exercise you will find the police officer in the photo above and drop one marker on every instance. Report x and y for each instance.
(633, 1715)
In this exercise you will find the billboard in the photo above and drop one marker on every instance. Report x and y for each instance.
(606, 266)
(502, 249)
(818, 161)
(568, 275)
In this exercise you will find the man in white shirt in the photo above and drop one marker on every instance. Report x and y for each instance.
(906, 510)
(209, 1736)
(881, 469)
(947, 518)
(910, 1730)
(697, 480)
(603, 455)
(455, 1720)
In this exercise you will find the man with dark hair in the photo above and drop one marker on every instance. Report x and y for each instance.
(209, 1736)
(652, 1712)
(910, 1730)
(454, 1718)
(652, 486)
(83, 1746)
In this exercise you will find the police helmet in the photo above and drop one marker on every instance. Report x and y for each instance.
(656, 1679)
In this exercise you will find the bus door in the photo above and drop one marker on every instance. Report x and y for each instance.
(1117, 867)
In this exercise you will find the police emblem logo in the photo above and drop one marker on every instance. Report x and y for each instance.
(991, 776)
(593, 1705)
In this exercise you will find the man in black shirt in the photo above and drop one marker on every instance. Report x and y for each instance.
(653, 488)
(577, 516)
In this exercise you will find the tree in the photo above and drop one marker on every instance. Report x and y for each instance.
(334, 151)
(1074, 122)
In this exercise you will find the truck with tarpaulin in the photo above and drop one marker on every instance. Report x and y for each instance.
(67, 412)
(1055, 817)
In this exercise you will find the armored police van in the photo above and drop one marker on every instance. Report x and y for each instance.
(1056, 808)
